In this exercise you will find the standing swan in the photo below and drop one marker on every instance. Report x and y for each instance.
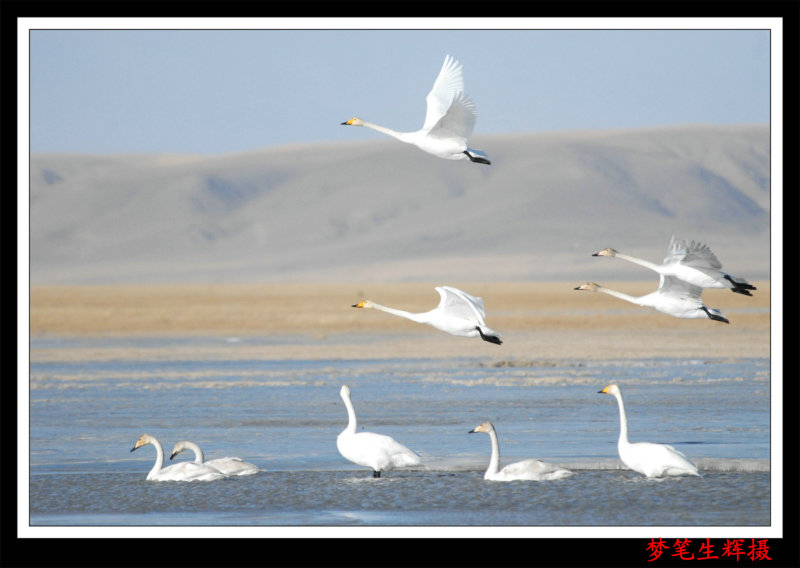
(693, 263)
(185, 471)
(530, 470)
(458, 313)
(376, 451)
(652, 460)
(449, 119)
(228, 466)
(674, 297)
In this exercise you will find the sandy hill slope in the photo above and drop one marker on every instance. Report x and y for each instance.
(379, 210)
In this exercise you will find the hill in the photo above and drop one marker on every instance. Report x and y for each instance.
(379, 210)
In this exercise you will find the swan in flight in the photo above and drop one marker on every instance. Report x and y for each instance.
(228, 466)
(652, 460)
(185, 471)
(376, 451)
(530, 470)
(674, 297)
(449, 120)
(458, 313)
(691, 262)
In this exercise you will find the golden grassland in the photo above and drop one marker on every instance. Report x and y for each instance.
(538, 320)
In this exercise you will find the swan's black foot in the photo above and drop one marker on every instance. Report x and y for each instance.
(490, 338)
(740, 287)
(376, 474)
(477, 159)
(715, 317)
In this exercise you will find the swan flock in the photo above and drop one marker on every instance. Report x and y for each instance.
(688, 269)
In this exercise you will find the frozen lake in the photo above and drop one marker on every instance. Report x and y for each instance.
(284, 416)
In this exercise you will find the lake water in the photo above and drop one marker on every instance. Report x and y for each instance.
(284, 416)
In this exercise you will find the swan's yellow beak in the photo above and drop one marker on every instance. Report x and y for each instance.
(348, 122)
(605, 390)
(360, 304)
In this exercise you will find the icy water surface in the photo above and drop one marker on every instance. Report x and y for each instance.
(284, 416)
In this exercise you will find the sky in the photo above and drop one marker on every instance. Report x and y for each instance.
(224, 91)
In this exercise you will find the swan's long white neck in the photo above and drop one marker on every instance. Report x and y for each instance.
(623, 421)
(419, 318)
(639, 261)
(388, 131)
(198, 453)
(159, 456)
(352, 423)
(494, 461)
(621, 295)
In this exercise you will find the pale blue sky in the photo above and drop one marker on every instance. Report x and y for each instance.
(195, 91)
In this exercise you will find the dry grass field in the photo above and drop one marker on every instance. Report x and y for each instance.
(537, 320)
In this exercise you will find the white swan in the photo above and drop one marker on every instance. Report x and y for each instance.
(228, 466)
(691, 262)
(185, 471)
(449, 120)
(458, 313)
(652, 460)
(376, 451)
(674, 297)
(530, 470)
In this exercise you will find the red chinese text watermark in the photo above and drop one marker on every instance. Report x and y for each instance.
(687, 549)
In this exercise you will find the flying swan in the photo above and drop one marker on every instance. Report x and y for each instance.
(674, 297)
(530, 470)
(228, 466)
(691, 262)
(458, 313)
(652, 460)
(449, 119)
(376, 451)
(185, 471)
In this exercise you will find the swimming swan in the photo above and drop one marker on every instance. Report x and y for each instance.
(228, 466)
(674, 297)
(458, 313)
(449, 119)
(652, 460)
(185, 471)
(693, 263)
(530, 470)
(376, 451)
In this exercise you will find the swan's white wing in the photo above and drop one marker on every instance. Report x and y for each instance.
(377, 451)
(677, 288)
(533, 469)
(448, 84)
(459, 121)
(460, 304)
(233, 466)
(700, 256)
(676, 251)
(657, 460)
(692, 254)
